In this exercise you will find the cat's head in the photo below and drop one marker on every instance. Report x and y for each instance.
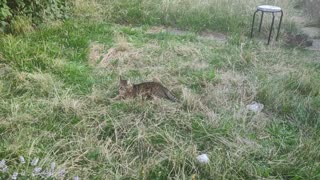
(124, 87)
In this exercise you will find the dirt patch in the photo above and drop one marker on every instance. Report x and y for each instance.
(156, 30)
(176, 31)
(207, 35)
(213, 36)
(297, 40)
(161, 29)
(310, 37)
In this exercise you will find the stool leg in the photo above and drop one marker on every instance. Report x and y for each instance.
(254, 16)
(261, 21)
(279, 25)
(271, 28)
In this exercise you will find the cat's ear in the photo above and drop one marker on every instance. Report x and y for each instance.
(129, 84)
(156, 80)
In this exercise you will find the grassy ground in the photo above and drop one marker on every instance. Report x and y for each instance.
(57, 86)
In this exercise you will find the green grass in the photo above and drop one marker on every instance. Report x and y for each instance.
(57, 105)
(176, 13)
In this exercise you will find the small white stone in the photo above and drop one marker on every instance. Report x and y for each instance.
(76, 178)
(53, 166)
(49, 174)
(14, 176)
(37, 169)
(62, 172)
(22, 161)
(255, 107)
(203, 158)
(35, 161)
(2, 163)
(3, 166)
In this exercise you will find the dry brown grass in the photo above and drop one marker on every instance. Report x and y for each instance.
(231, 88)
(121, 52)
(96, 51)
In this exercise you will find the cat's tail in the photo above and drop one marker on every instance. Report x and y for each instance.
(170, 96)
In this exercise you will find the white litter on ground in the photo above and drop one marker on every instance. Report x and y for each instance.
(62, 172)
(3, 166)
(35, 161)
(22, 161)
(255, 107)
(53, 166)
(14, 176)
(2, 163)
(203, 158)
(36, 171)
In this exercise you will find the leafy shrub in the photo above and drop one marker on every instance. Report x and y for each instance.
(4, 13)
(20, 25)
(19, 12)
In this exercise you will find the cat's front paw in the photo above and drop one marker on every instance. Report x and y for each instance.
(117, 98)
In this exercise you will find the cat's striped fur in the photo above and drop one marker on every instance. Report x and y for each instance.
(145, 89)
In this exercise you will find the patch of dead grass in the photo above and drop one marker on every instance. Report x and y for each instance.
(96, 51)
(155, 30)
(215, 36)
(122, 43)
(187, 50)
(73, 105)
(123, 50)
(232, 88)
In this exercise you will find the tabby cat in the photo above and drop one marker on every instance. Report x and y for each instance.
(145, 89)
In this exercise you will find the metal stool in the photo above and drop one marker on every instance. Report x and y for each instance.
(267, 9)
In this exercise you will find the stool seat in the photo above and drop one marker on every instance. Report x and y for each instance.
(268, 8)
